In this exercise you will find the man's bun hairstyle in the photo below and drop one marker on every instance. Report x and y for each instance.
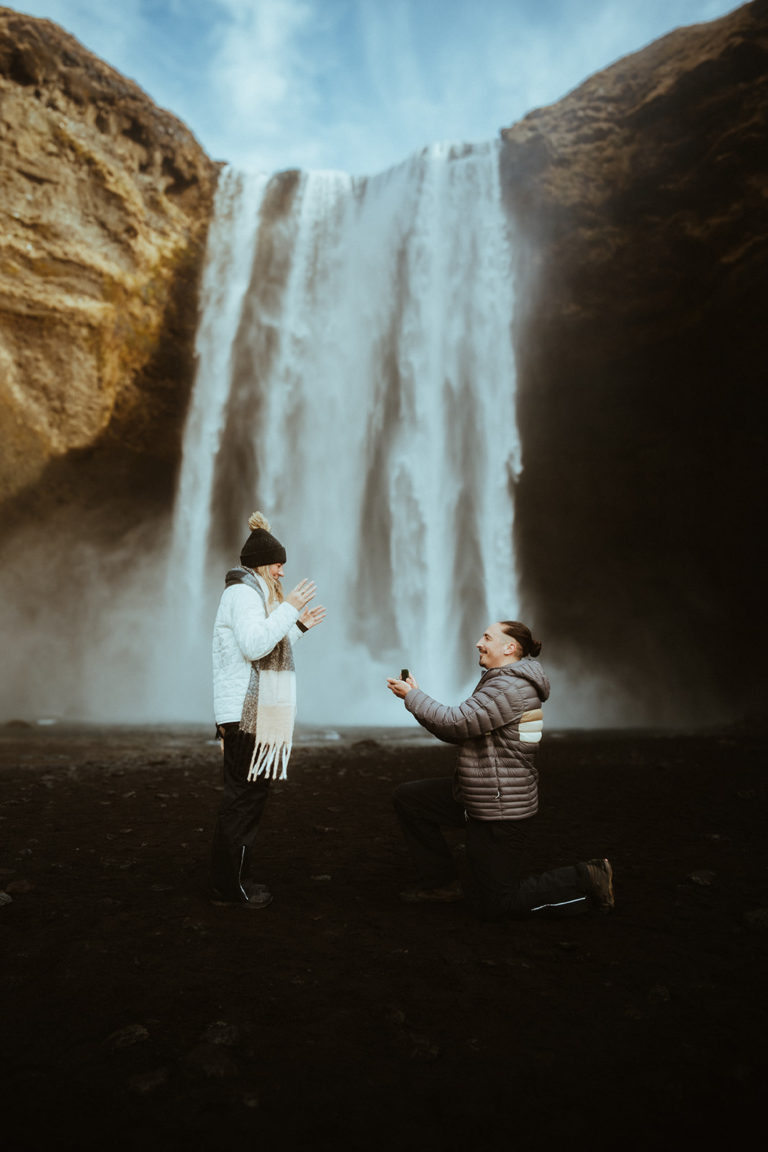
(522, 633)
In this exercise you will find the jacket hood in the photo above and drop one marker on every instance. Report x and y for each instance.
(527, 669)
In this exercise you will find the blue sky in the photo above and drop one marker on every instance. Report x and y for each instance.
(358, 85)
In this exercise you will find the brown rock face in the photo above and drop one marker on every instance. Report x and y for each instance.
(104, 208)
(642, 206)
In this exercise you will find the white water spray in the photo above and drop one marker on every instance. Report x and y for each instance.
(356, 382)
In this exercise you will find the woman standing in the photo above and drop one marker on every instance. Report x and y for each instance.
(254, 696)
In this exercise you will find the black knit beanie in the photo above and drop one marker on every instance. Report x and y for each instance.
(261, 548)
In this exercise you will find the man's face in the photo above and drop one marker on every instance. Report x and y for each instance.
(496, 648)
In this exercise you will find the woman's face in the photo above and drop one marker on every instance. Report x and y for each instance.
(276, 571)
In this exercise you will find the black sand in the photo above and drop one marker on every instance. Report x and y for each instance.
(138, 1016)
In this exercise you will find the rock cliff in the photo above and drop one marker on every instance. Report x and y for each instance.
(641, 202)
(104, 207)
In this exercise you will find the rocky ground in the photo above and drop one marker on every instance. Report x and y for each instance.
(138, 1016)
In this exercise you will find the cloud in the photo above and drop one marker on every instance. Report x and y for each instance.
(359, 84)
(109, 30)
(258, 69)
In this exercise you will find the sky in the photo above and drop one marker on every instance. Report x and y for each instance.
(358, 85)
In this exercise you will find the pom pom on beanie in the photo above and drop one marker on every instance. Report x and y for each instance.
(261, 548)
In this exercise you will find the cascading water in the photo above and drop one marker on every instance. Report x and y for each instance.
(356, 382)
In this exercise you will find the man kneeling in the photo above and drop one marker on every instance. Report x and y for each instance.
(493, 793)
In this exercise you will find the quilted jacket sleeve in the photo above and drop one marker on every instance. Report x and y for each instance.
(496, 701)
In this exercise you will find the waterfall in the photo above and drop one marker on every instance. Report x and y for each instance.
(356, 382)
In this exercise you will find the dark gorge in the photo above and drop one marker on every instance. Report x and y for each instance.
(642, 199)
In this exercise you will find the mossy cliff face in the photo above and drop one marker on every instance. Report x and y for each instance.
(104, 207)
(641, 202)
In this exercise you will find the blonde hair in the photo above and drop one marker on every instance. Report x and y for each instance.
(259, 520)
(275, 591)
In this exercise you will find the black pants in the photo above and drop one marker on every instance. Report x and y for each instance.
(239, 813)
(495, 852)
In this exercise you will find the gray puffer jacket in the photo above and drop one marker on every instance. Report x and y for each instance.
(498, 730)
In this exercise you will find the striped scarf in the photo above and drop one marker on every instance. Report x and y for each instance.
(269, 708)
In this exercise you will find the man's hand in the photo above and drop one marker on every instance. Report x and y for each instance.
(401, 688)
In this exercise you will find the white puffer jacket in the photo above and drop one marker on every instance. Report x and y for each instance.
(243, 632)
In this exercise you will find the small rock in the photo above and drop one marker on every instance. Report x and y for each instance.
(19, 886)
(147, 1082)
(126, 1037)
(5, 899)
(758, 917)
(221, 1033)
(212, 1062)
(703, 878)
(408, 1043)
(108, 904)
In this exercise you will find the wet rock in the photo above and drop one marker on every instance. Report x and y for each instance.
(227, 1035)
(212, 1061)
(145, 1082)
(126, 1037)
(409, 1043)
(108, 904)
(703, 877)
(641, 227)
(757, 918)
(20, 886)
(105, 203)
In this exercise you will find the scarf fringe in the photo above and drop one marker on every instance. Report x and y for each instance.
(267, 758)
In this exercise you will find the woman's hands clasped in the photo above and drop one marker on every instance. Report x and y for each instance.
(300, 597)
